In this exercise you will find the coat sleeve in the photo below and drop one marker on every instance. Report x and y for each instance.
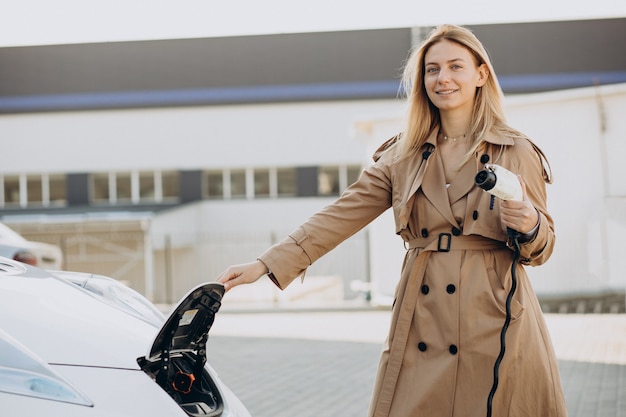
(360, 204)
(530, 164)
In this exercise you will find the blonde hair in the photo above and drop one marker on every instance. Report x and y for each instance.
(423, 117)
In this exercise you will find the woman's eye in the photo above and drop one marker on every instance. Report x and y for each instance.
(431, 70)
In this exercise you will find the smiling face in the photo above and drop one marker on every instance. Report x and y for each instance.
(451, 76)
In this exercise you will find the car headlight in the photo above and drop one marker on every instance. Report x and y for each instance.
(23, 373)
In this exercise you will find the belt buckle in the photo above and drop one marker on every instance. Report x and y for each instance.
(448, 242)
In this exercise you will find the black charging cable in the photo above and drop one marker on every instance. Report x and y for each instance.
(513, 236)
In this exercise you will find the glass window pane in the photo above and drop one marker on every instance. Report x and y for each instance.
(123, 186)
(33, 190)
(215, 184)
(146, 186)
(238, 183)
(354, 171)
(171, 183)
(11, 190)
(100, 187)
(328, 181)
(58, 195)
(261, 182)
(286, 178)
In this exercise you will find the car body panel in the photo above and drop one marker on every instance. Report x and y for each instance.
(94, 341)
(91, 336)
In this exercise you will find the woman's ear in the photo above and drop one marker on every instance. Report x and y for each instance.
(483, 75)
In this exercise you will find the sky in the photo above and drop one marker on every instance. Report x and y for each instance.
(41, 22)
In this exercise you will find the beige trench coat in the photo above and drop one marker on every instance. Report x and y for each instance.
(450, 302)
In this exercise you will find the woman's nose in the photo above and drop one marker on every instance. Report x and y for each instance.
(444, 75)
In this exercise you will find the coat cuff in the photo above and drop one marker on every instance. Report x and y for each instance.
(532, 250)
(286, 260)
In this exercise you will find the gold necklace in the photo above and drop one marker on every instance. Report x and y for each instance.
(453, 139)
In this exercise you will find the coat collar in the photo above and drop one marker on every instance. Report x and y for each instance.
(494, 139)
(415, 168)
(434, 184)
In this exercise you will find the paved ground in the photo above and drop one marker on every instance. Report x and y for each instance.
(322, 364)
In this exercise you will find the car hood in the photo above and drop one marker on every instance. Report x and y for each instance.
(65, 324)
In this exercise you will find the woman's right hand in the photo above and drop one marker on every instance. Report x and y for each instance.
(242, 274)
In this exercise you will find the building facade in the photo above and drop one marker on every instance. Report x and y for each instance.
(161, 162)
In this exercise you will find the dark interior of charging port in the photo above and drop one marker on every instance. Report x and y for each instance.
(197, 396)
(178, 356)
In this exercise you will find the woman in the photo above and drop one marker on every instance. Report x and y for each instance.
(451, 301)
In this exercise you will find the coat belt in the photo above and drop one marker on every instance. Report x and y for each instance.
(445, 242)
(403, 314)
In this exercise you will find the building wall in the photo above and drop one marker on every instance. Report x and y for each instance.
(581, 131)
(312, 105)
(290, 134)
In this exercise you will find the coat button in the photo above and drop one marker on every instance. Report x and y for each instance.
(456, 231)
(453, 349)
(450, 289)
(425, 289)
(424, 232)
(484, 159)
(475, 215)
(422, 346)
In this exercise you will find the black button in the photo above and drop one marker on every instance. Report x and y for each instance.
(456, 231)
(426, 154)
(450, 289)
(424, 233)
(453, 349)
(425, 289)
(422, 346)
(475, 214)
(484, 159)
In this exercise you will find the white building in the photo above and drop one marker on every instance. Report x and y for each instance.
(161, 162)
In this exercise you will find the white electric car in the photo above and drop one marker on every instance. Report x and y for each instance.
(76, 344)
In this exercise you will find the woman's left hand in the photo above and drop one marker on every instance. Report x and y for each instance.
(519, 215)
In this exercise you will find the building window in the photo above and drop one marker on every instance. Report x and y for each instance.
(238, 183)
(147, 186)
(170, 185)
(57, 191)
(165, 186)
(41, 190)
(34, 190)
(123, 187)
(286, 182)
(100, 188)
(354, 172)
(262, 183)
(11, 190)
(328, 181)
(215, 184)
(46, 190)
(138, 187)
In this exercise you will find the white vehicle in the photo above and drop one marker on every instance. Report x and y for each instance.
(76, 344)
(40, 254)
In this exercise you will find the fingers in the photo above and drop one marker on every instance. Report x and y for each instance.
(241, 274)
(519, 215)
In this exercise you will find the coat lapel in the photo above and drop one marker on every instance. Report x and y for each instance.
(416, 170)
(463, 182)
(434, 188)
